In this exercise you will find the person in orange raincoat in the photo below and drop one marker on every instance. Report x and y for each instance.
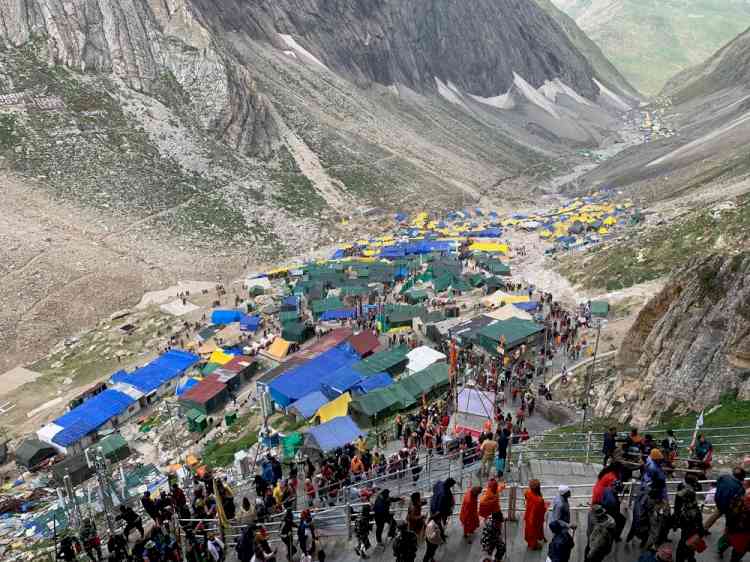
(489, 502)
(533, 519)
(469, 511)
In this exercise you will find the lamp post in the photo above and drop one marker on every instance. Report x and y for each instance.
(590, 374)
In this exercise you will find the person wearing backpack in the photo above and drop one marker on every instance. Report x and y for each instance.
(688, 518)
(601, 537)
(435, 535)
(405, 544)
(561, 545)
(246, 545)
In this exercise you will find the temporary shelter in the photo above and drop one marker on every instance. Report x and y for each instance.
(365, 343)
(279, 349)
(422, 357)
(298, 332)
(225, 316)
(114, 447)
(474, 408)
(305, 407)
(379, 380)
(490, 247)
(426, 381)
(508, 311)
(207, 397)
(220, 358)
(498, 298)
(380, 403)
(32, 451)
(74, 466)
(159, 373)
(299, 381)
(341, 379)
(335, 408)
(392, 361)
(600, 309)
(512, 332)
(331, 435)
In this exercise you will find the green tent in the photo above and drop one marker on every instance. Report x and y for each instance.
(442, 283)
(405, 398)
(298, 332)
(114, 447)
(325, 305)
(475, 280)
(354, 291)
(288, 316)
(209, 368)
(600, 309)
(497, 267)
(290, 444)
(392, 360)
(514, 332)
(426, 381)
(402, 315)
(415, 296)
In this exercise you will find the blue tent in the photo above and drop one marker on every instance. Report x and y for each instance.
(529, 306)
(378, 380)
(90, 416)
(249, 323)
(341, 380)
(162, 369)
(187, 385)
(333, 434)
(309, 404)
(338, 254)
(400, 217)
(300, 381)
(225, 316)
(338, 314)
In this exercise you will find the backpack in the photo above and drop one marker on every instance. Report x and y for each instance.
(433, 534)
(727, 488)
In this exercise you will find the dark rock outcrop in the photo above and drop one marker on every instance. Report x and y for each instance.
(689, 345)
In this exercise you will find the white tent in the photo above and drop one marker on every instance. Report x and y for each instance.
(422, 357)
(509, 311)
(476, 402)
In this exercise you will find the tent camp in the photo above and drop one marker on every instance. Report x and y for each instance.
(513, 332)
(278, 350)
(341, 380)
(114, 447)
(367, 409)
(299, 381)
(32, 451)
(426, 381)
(498, 298)
(474, 408)
(422, 357)
(305, 407)
(75, 466)
(331, 435)
(225, 316)
(392, 361)
(365, 343)
(378, 380)
(334, 408)
(208, 396)
(298, 332)
(508, 311)
(158, 375)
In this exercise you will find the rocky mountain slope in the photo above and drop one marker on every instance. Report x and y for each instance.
(650, 41)
(688, 346)
(191, 134)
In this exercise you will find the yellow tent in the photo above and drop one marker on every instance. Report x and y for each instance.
(492, 247)
(498, 298)
(545, 234)
(279, 349)
(610, 221)
(509, 311)
(334, 409)
(603, 230)
(220, 357)
(207, 348)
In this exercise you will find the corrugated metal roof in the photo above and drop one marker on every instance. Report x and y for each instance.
(203, 391)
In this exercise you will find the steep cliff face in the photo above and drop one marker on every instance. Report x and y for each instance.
(476, 46)
(689, 345)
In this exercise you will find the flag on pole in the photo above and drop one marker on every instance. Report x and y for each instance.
(699, 421)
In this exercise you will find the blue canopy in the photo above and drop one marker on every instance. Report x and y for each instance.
(378, 380)
(90, 416)
(187, 385)
(309, 404)
(249, 323)
(162, 369)
(338, 314)
(300, 381)
(225, 316)
(342, 379)
(400, 217)
(338, 254)
(335, 433)
(529, 306)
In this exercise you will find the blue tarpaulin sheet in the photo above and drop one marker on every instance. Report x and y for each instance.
(338, 254)
(378, 380)
(249, 323)
(236, 350)
(91, 415)
(400, 217)
(342, 379)
(335, 433)
(309, 404)
(530, 306)
(290, 303)
(338, 314)
(162, 369)
(225, 316)
(300, 381)
(187, 385)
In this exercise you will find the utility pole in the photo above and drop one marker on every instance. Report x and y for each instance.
(590, 375)
(99, 464)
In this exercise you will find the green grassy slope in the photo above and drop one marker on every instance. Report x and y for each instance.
(649, 41)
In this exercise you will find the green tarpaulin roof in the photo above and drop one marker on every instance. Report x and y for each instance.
(375, 402)
(514, 330)
(355, 290)
(209, 368)
(403, 313)
(331, 303)
(113, 445)
(382, 361)
(426, 381)
(288, 316)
